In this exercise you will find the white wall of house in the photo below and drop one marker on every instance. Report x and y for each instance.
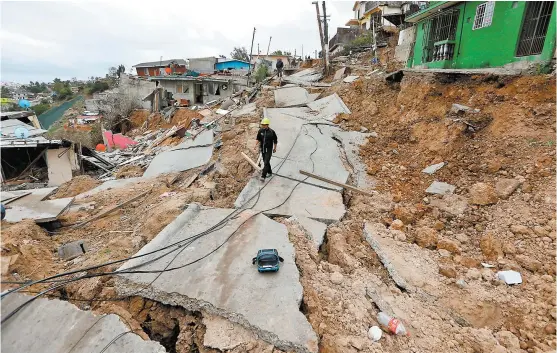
(406, 40)
(187, 89)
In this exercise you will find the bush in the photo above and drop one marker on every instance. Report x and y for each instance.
(261, 73)
(362, 40)
(40, 108)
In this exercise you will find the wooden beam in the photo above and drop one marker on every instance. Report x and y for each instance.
(253, 164)
(349, 187)
(190, 180)
(104, 213)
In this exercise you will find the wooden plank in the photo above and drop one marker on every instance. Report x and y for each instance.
(253, 164)
(190, 180)
(110, 210)
(349, 187)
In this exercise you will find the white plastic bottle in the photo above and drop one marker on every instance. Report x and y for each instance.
(392, 324)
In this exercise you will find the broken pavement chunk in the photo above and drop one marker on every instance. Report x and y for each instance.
(440, 188)
(72, 250)
(329, 105)
(291, 97)
(57, 326)
(433, 168)
(225, 283)
(40, 212)
(350, 79)
(185, 156)
(313, 228)
(339, 74)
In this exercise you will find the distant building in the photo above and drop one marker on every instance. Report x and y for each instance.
(378, 13)
(188, 90)
(232, 64)
(343, 36)
(202, 65)
(273, 59)
(162, 67)
(468, 35)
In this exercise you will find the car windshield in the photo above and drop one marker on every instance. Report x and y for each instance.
(268, 260)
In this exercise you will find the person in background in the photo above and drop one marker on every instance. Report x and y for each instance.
(267, 144)
(280, 66)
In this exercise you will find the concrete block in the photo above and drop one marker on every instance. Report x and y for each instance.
(111, 184)
(57, 326)
(223, 334)
(40, 212)
(339, 74)
(187, 155)
(226, 283)
(440, 188)
(72, 250)
(291, 97)
(59, 166)
(433, 168)
(247, 109)
(330, 105)
(350, 79)
(313, 228)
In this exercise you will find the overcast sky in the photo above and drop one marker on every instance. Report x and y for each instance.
(44, 40)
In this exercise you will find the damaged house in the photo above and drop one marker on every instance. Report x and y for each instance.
(189, 90)
(161, 67)
(28, 157)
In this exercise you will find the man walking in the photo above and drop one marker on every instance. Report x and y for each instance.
(267, 144)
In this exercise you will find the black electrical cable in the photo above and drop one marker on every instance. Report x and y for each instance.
(194, 238)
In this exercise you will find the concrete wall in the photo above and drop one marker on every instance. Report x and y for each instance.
(406, 40)
(59, 166)
(189, 90)
(203, 65)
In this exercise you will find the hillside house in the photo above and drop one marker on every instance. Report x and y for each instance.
(232, 65)
(378, 13)
(188, 90)
(476, 34)
(273, 59)
(162, 67)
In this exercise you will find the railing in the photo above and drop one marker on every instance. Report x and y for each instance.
(413, 7)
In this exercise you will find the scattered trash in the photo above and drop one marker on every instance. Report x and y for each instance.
(440, 188)
(487, 265)
(168, 194)
(374, 333)
(433, 168)
(392, 324)
(510, 277)
(461, 283)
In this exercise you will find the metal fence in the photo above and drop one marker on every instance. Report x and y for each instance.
(534, 27)
(440, 28)
(50, 116)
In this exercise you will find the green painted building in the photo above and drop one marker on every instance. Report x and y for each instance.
(471, 35)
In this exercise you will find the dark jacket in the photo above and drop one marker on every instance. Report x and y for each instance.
(280, 64)
(267, 137)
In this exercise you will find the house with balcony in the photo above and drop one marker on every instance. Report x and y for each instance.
(375, 13)
(483, 34)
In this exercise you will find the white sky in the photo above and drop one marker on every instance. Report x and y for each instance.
(43, 40)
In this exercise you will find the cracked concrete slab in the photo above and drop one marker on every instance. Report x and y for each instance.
(111, 184)
(247, 109)
(313, 228)
(226, 283)
(291, 97)
(351, 142)
(302, 146)
(330, 105)
(223, 334)
(40, 212)
(187, 155)
(57, 326)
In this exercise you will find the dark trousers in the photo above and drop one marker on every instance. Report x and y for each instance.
(266, 163)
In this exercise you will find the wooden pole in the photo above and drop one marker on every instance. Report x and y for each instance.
(326, 38)
(269, 46)
(250, 161)
(251, 50)
(349, 187)
(320, 34)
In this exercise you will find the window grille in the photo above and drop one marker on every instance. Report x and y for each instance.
(484, 15)
(440, 28)
(534, 27)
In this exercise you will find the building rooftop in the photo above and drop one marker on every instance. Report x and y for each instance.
(161, 63)
(186, 78)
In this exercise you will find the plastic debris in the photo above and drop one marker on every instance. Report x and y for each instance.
(374, 333)
(392, 324)
(510, 277)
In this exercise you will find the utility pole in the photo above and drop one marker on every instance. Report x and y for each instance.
(258, 51)
(302, 52)
(269, 46)
(320, 33)
(251, 52)
(326, 37)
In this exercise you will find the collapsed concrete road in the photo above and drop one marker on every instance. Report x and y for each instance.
(225, 283)
(306, 142)
(57, 326)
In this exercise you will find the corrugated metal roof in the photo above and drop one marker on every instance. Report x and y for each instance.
(229, 60)
(187, 78)
(16, 115)
(162, 63)
(7, 128)
(9, 140)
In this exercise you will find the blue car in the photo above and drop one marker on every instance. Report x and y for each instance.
(267, 260)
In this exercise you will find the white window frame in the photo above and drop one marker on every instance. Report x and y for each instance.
(484, 15)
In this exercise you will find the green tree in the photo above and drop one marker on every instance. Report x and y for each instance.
(6, 92)
(40, 108)
(120, 70)
(277, 52)
(240, 53)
